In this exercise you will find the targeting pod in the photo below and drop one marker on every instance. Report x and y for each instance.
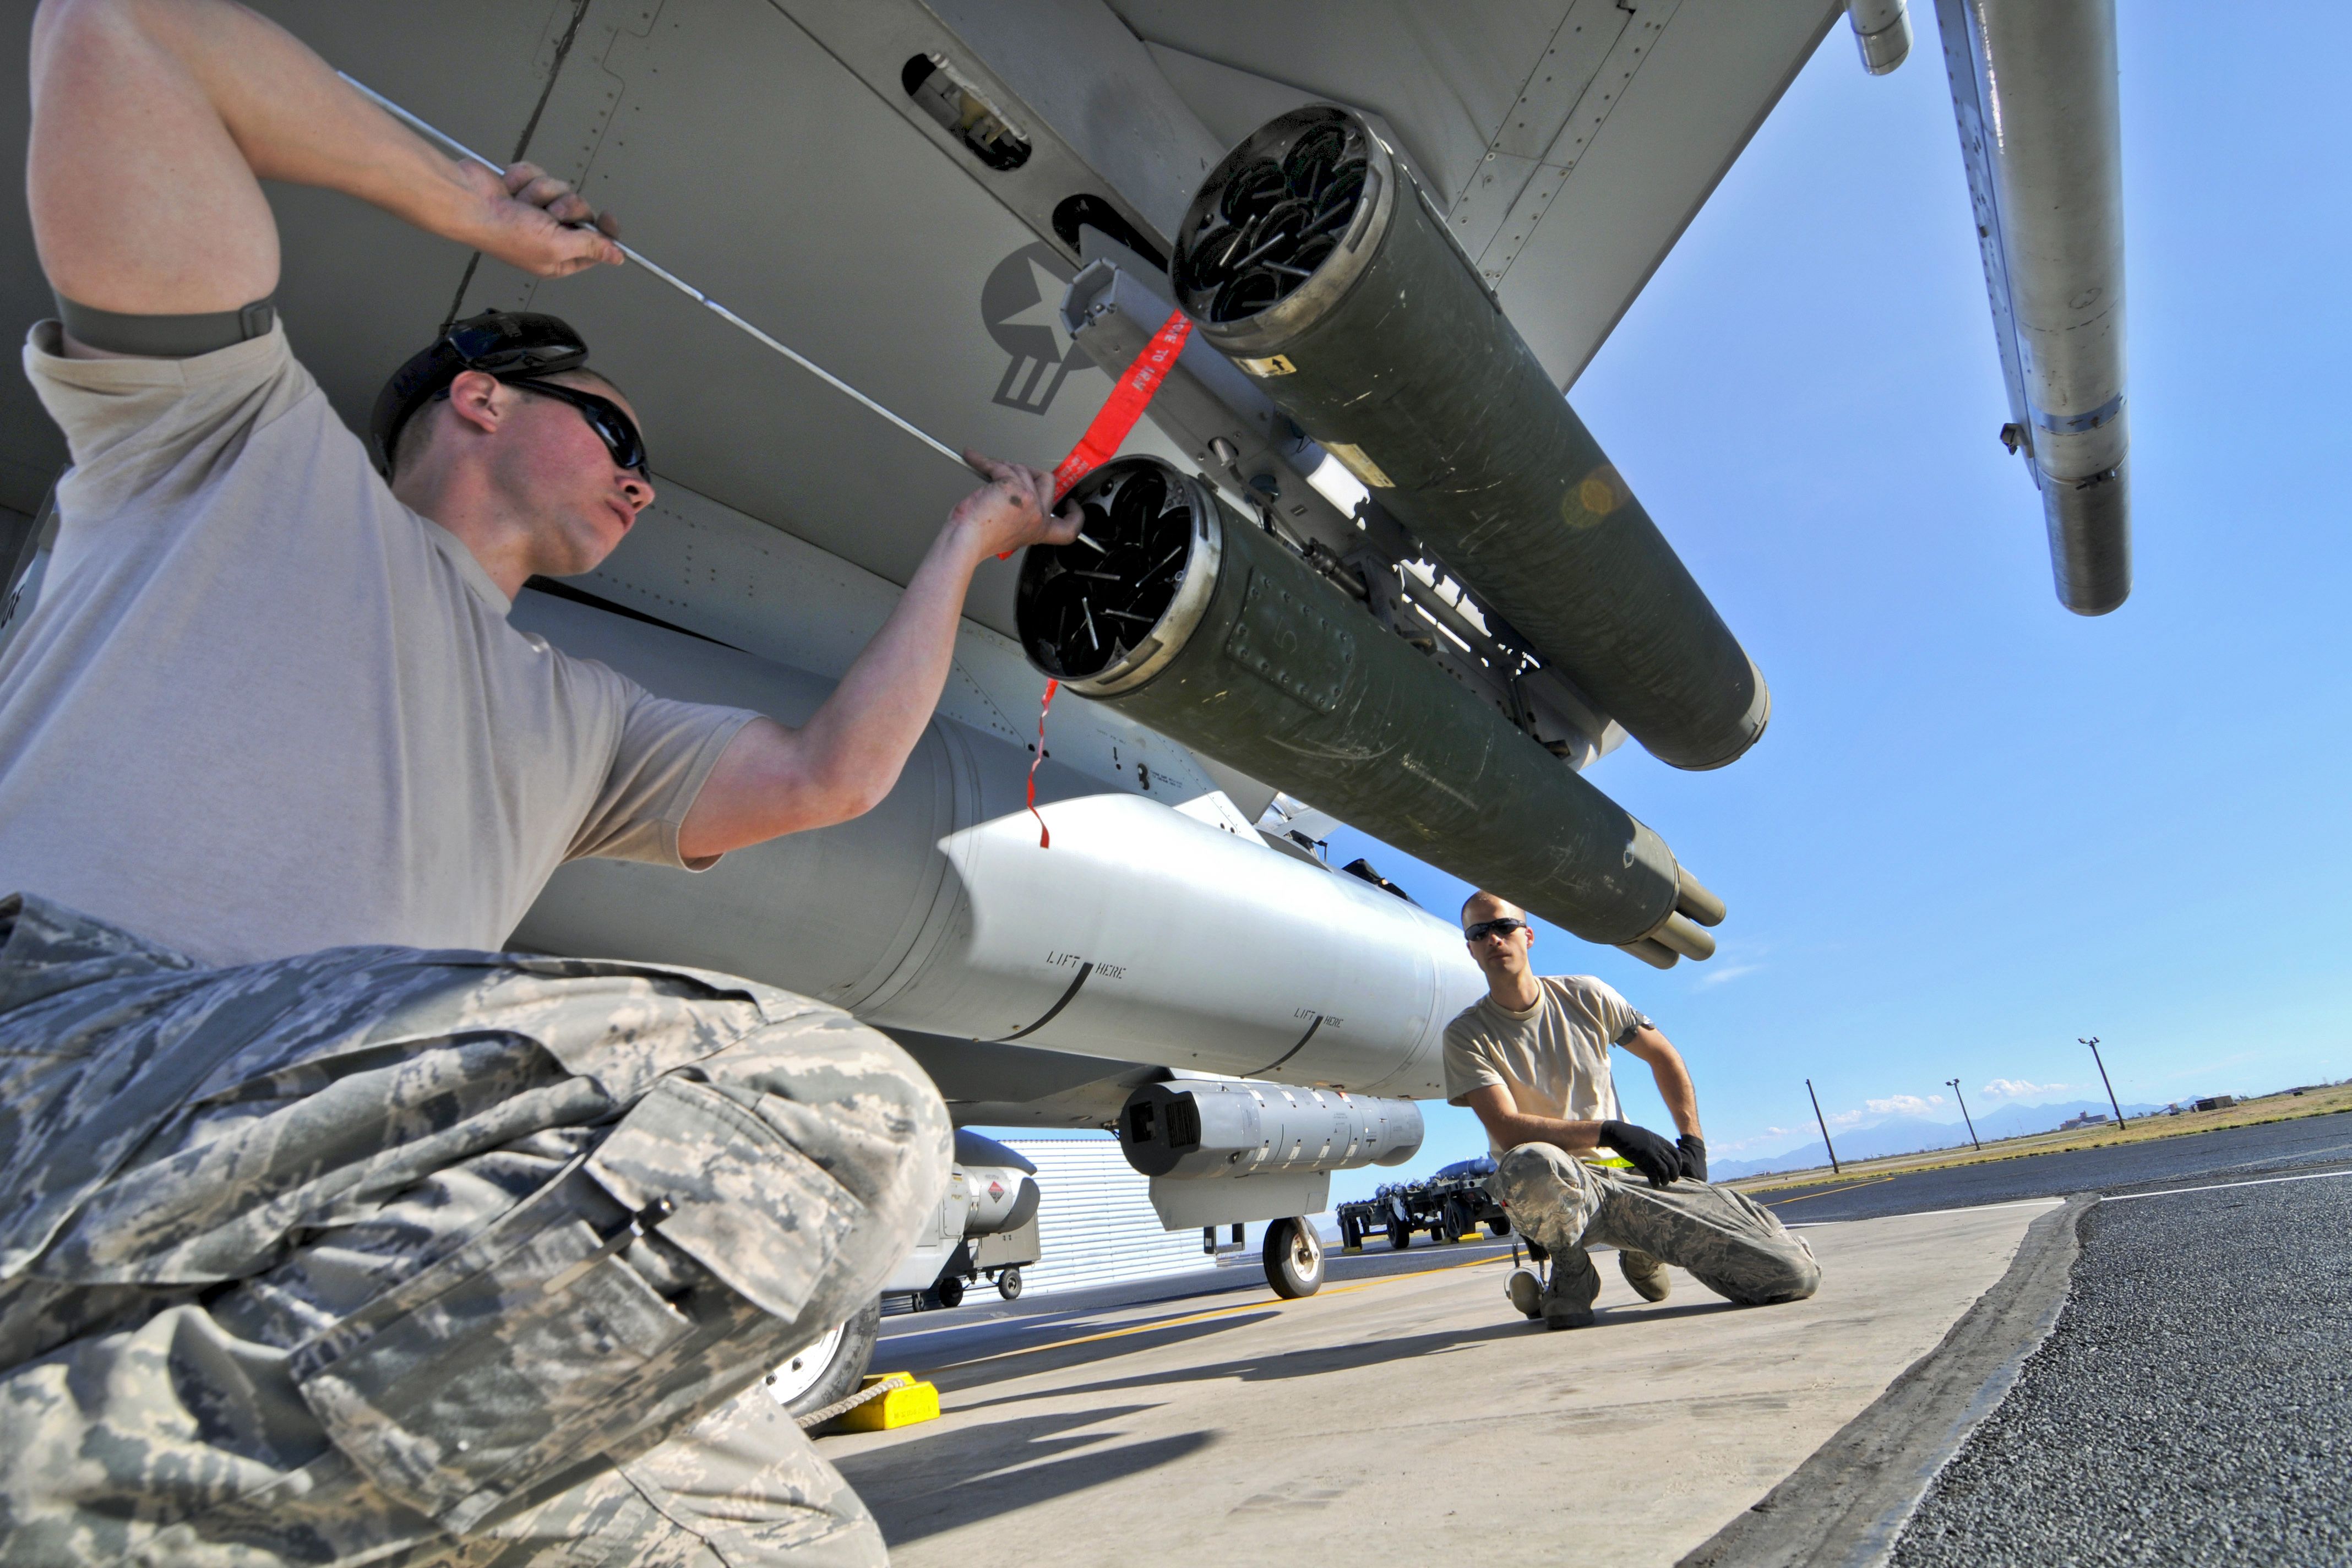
(1000, 1187)
(1238, 1126)
(1312, 259)
(1208, 629)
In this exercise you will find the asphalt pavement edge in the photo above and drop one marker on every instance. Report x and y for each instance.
(1846, 1505)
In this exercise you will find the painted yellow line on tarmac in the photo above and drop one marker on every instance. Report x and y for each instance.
(1846, 1188)
(1274, 1304)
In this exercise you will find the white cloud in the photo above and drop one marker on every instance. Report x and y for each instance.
(1740, 1145)
(1902, 1105)
(1845, 1118)
(1727, 973)
(2021, 1089)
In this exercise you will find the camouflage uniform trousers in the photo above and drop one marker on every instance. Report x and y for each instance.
(384, 1255)
(1728, 1241)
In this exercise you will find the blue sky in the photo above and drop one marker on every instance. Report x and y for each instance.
(1980, 826)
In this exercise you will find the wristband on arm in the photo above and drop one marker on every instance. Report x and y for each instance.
(164, 337)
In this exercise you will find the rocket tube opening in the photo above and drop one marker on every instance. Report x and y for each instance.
(1282, 215)
(1262, 663)
(1103, 623)
(1390, 353)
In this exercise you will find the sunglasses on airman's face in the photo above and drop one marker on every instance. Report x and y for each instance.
(1486, 929)
(607, 418)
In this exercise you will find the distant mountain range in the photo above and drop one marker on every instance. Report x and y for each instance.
(1915, 1134)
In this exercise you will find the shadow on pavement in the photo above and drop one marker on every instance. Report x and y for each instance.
(1125, 1339)
(1311, 1362)
(1708, 1308)
(926, 1485)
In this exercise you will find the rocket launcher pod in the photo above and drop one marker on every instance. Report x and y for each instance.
(1210, 630)
(1312, 259)
(1238, 1126)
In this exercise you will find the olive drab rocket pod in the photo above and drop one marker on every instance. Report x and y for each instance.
(1201, 625)
(1312, 259)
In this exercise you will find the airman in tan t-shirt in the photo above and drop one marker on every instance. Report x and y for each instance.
(1531, 1060)
(1552, 1056)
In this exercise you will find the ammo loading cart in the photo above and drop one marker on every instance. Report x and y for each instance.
(1450, 1205)
(997, 1259)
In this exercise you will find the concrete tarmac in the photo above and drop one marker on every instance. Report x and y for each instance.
(1398, 1416)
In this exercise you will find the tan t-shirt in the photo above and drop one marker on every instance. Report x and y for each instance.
(262, 708)
(1553, 1058)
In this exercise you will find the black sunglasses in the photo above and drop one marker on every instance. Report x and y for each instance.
(607, 418)
(1485, 928)
(512, 345)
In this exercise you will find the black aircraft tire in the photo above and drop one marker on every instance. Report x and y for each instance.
(949, 1290)
(1294, 1258)
(1399, 1234)
(847, 1368)
(1498, 1226)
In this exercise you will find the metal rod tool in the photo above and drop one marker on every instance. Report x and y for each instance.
(675, 282)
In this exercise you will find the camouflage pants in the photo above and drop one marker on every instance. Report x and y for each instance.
(428, 1257)
(1730, 1243)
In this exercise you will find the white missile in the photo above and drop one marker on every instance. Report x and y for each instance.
(2034, 89)
(1145, 933)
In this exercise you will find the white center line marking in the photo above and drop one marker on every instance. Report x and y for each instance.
(2220, 1186)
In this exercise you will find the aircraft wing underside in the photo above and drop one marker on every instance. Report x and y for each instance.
(768, 154)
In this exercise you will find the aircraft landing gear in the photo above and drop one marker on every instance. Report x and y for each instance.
(831, 1368)
(1294, 1258)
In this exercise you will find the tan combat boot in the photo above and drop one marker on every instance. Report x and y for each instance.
(1567, 1300)
(1644, 1273)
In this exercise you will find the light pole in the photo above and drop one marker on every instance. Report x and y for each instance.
(1816, 1098)
(1964, 1112)
(2093, 1042)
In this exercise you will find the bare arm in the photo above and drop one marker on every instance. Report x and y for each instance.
(155, 121)
(1672, 1077)
(772, 779)
(1510, 1126)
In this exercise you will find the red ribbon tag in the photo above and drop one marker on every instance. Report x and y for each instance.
(1045, 836)
(1125, 405)
(1102, 443)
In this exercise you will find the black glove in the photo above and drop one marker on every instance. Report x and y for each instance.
(1694, 1148)
(1651, 1155)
